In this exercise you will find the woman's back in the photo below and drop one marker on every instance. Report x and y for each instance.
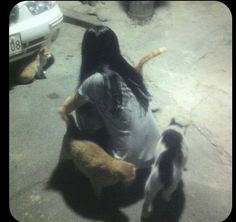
(132, 131)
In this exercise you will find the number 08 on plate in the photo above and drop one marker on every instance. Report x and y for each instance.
(15, 45)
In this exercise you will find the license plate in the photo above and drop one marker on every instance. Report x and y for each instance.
(15, 45)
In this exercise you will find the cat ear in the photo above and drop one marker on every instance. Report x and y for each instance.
(42, 51)
(172, 121)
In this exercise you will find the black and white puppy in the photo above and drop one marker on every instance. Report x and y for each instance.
(171, 158)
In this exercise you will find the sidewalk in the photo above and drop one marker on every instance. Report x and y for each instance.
(191, 81)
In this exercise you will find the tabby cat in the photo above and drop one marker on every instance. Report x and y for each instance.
(35, 67)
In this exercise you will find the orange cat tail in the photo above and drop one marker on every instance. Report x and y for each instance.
(156, 52)
(146, 58)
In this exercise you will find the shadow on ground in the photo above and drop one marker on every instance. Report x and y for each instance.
(13, 71)
(124, 5)
(168, 212)
(77, 22)
(79, 196)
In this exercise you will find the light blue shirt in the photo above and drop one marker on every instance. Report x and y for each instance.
(133, 132)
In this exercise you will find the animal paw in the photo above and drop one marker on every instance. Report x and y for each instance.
(62, 113)
(41, 75)
(116, 156)
(145, 214)
(145, 211)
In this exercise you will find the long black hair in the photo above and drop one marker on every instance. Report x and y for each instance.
(100, 48)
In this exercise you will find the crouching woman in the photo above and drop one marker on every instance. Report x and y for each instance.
(120, 96)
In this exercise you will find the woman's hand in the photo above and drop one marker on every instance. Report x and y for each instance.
(70, 104)
(62, 113)
(67, 107)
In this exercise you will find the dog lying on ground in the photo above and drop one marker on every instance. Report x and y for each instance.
(101, 169)
(168, 166)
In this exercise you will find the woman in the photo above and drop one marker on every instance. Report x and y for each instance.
(118, 92)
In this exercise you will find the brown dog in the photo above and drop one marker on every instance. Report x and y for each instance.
(101, 169)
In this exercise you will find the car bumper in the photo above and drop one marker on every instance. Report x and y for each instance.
(33, 37)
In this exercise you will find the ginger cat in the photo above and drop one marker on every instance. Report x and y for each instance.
(90, 159)
(34, 69)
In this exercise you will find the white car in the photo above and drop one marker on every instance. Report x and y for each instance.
(33, 24)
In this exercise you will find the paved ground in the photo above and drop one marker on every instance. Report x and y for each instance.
(192, 81)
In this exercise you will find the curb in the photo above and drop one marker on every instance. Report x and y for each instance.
(80, 19)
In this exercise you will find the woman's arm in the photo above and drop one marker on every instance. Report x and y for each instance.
(70, 104)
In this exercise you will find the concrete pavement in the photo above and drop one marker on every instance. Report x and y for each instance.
(192, 82)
